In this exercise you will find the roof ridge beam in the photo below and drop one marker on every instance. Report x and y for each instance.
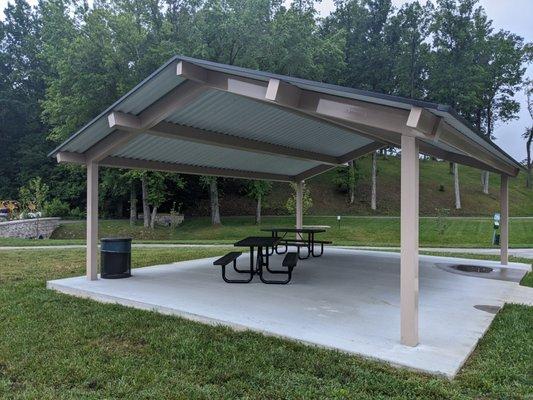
(176, 131)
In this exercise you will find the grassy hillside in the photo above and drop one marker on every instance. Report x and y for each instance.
(371, 231)
(327, 200)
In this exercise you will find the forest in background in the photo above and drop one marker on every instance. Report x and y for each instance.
(63, 62)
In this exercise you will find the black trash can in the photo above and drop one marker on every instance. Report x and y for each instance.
(115, 258)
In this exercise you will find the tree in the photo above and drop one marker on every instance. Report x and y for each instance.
(456, 188)
(307, 200)
(257, 190)
(346, 180)
(528, 134)
(370, 43)
(34, 195)
(413, 25)
(23, 146)
(502, 56)
(210, 182)
(373, 195)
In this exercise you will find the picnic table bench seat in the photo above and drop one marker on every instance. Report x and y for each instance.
(227, 258)
(289, 261)
(231, 257)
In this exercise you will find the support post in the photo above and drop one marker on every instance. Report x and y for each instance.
(409, 241)
(92, 220)
(299, 206)
(504, 220)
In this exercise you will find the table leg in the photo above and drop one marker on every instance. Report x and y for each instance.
(251, 258)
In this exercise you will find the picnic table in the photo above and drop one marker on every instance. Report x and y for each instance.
(261, 242)
(262, 261)
(309, 243)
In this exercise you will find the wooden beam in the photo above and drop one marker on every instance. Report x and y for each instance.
(283, 93)
(361, 151)
(352, 155)
(129, 163)
(70, 157)
(108, 145)
(429, 150)
(179, 97)
(424, 122)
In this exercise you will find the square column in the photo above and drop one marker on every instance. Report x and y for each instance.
(299, 204)
(504, 220)
(92, 221)
(409, 241)
(299, 207)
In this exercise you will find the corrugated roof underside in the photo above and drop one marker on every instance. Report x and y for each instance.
(153, 148)
(136, 102)
(243, 117)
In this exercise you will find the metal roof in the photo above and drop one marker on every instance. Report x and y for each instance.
(235, 116)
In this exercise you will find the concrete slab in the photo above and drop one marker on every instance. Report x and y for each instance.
(346, 300)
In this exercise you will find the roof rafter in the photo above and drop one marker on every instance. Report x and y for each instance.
(191, 134)
(352, 155)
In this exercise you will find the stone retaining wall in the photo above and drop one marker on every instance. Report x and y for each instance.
(29, 228)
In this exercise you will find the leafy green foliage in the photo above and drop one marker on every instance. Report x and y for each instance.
(56, 208)
(63, 62)
(307, 200)
(258, 189)
(34, 195)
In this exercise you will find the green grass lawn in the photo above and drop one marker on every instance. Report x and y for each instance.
(370, 231)
(53, 346)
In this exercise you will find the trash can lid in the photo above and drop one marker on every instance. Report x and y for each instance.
(116, 239)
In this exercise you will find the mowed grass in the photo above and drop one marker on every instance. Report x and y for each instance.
(54, 346)
(361, 231)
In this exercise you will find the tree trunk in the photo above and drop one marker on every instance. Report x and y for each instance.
(457, 189)
(529, 183)
(485, 181)
(213, 197)
(451, 168)
(373, 202)
(258, 211)
(352, 181)
(152, 218)
(146, 206)
(133, 203)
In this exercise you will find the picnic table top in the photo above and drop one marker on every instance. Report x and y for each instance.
(257, 241)
(295, 230)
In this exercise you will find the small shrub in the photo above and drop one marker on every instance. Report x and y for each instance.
(307, 201)
(76, 213)
(56, 208)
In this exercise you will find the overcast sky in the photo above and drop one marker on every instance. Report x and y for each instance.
(511, 15)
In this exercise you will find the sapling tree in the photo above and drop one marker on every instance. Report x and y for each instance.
(307, 201)
(257, 190)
